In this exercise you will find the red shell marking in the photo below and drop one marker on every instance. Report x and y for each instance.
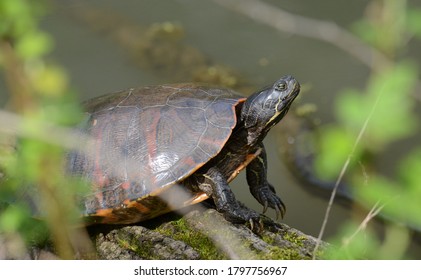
(147, 139)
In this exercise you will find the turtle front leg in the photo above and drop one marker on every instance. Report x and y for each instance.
(260, 188)
(215, 185)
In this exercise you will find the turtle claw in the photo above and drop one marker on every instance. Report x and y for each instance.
(280, 210)
(268, 198)
(265, 207)
(255, 222)
(257, 226)
(251, 224)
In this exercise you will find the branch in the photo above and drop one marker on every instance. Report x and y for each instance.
(321, 30)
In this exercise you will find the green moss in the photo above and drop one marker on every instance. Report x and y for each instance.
(277, 253)
(131, 243)
(122, 242)
(127, 244)
(284, 253)
(180, 230)
(295, 238)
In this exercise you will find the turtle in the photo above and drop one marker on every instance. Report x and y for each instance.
(156, 149)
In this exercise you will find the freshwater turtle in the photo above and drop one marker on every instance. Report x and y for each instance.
(147, 144)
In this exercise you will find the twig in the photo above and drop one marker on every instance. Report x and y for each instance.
(375, 210)
(311, 28)
(13, 124)
(342, 173)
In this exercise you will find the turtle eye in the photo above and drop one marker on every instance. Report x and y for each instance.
(281, 86)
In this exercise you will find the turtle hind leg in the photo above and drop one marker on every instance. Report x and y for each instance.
(215, 185)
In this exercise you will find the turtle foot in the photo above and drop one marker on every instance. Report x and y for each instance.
(268, 198)
(242, 214)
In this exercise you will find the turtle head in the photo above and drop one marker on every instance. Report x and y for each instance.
(265, 108)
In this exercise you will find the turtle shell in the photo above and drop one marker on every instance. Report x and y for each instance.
(144, 141)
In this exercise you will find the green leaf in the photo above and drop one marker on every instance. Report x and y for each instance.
(34, 44)
(352, 110)
(50, 81)
(365, 30)
(410, 169)
(386, 104)
(351, 246)
(393, 117)
(12, 218)
(17, 17)
(414, 21)
(401, 202)
(335, 146)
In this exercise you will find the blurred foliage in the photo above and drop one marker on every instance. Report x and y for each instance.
(39, 91)
(372, 121)
(32, 169)
(389, 25)
(389, 95)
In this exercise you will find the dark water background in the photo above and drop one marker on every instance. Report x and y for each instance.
(98, 65)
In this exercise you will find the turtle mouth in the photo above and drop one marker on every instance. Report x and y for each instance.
(286, 103)
(287, 100)
(294, 93)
